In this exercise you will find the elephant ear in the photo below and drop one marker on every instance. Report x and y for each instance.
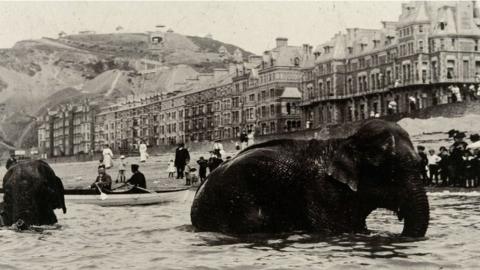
(373, 150)
(343, 167)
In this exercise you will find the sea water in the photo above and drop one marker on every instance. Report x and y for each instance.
(161, 237)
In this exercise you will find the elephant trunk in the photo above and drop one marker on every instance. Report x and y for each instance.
(415, 211)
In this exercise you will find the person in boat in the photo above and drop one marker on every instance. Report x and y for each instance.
(137, 179)
(104, 181)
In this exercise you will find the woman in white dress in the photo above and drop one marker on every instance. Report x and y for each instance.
(143, 152)
(107, 157)
(250, 136)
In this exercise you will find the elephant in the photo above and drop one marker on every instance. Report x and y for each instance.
(31, 192)
(320, 186)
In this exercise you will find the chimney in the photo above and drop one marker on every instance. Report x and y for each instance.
(305, 48)
(282, 42)
(232, 69)
(255, 59)
(219, 73)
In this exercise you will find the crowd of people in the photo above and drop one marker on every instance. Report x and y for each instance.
(455, 166)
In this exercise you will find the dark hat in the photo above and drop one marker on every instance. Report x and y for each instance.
(421, 147)
(452, 133)
(442, 148)
(101, 166)
(474, 137)
(134, 167)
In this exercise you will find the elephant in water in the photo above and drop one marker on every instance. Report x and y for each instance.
(326, 186)
(31, 192)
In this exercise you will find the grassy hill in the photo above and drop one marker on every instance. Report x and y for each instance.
(36, 74)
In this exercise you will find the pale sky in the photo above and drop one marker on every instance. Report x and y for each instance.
(250, 25)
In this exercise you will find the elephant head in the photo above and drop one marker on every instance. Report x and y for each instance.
(380, 165)
(31, 192)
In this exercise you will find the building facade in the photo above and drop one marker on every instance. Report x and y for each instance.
(67, 130)
(413, 62)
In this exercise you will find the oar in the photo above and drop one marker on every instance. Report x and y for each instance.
(103, 196)
(147, 190)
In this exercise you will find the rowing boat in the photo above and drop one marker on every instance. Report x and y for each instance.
(132, 196)
(128, 197)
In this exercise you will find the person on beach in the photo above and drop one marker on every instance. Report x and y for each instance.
(202, 169)
(122, 168)
(11, 161)
(433, 167)
(423, 164)
(457, 150)
(251, 138)
(137, 179)
(243, 139)
(181, 156)
(143, 151)
(214, 161)
(218, 148)
(171, 169)
(188, 173)
(444, 165)
(107, 156)
(103, 180)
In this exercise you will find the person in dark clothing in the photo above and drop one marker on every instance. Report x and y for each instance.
(103, 180)
(452, 133)
(457, 150)
(423, 164)
(137, 179)
(243, 139)
(181, 157)
(475, 163)
(11, 161)
(213, 162)
(202, 170)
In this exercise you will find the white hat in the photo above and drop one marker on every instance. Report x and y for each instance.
(122, 156)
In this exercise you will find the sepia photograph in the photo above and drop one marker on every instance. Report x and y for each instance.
(239, 135)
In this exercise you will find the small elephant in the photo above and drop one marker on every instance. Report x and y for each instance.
(326, 186)
(31, 192)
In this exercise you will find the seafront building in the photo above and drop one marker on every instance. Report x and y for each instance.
(412, 63)
(67, 130)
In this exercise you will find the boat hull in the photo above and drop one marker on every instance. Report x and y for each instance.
(125, 199)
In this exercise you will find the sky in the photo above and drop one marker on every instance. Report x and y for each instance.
(251, 25)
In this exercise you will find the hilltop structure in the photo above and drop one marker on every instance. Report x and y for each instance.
(413, 63)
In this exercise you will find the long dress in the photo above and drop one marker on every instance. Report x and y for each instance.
(143, 152)
(107, 157)
(251, 139)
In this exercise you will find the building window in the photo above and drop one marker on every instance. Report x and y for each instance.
(442, 26)
(420, 46)
(420, 28)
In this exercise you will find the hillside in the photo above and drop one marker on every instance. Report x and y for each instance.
(36, 74)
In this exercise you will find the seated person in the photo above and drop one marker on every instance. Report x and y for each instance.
(137, 179)
(104, 181)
